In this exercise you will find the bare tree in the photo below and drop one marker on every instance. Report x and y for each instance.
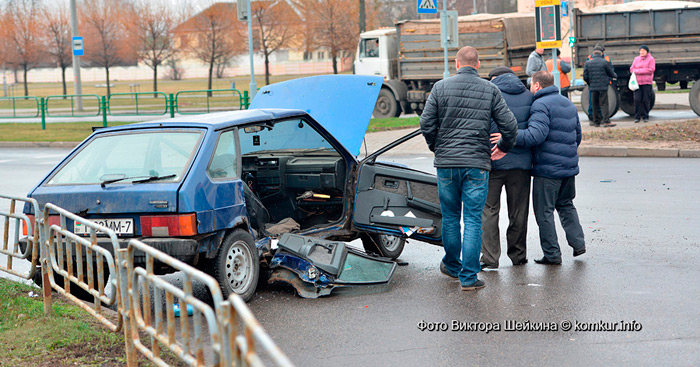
(276, 23)
(213, 36)
(106, 37)
(21, 24)
(335, 25)
(58, 38)
(152, 30)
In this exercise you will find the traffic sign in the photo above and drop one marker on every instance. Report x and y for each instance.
(565, 9)
(548, 23)
(572, 41)
(77, 46)
(242, 10)
(427, 6)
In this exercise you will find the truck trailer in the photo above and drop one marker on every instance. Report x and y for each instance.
(410, 56)
(671, 30)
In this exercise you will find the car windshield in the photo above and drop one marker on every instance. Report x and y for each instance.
(287, 135)
(133, 157)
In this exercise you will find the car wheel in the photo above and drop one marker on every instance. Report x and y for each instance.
(386, 106)
(237, 266)
(383, 244)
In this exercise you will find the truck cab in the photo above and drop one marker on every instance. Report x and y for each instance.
(376, 53)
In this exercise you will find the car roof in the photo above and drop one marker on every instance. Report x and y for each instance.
(217, 120)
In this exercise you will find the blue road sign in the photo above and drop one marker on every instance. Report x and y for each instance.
(427, 6)
(77, 46)
(564, 9)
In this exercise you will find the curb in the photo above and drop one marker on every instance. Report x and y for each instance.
(669, 106)
(601, 151)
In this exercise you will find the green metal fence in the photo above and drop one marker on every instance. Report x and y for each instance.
(191, 102)
(19, 107)
(73, 105)
(124, 104)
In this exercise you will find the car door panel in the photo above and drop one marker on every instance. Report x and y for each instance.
(398, 201)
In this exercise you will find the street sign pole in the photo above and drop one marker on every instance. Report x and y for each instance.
(443, 25)
(77, 83)
(548, 28)
(573, 48)
(253, 87)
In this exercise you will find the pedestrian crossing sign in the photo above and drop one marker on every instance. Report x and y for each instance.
(427, 6)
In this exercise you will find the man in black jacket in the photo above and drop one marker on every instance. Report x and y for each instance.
(456, 123)
(598, 73)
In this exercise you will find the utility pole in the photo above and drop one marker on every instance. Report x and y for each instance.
(253, 87)
(77, 84)
(443, 24)
(473, 7)
(362, 16)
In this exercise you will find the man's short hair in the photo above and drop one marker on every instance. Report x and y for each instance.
(468, 56)
(545, 78)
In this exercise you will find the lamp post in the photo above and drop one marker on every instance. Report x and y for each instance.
(77, 84)
(253, 87)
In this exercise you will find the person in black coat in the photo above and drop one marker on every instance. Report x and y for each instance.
(513, 172)
(554, 130)
(598, 73)
(456, 123)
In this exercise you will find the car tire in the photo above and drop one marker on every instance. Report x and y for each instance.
(383, 244)
(237, 265)
(386, 106)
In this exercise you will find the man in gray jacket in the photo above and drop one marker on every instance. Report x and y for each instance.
(456, 123)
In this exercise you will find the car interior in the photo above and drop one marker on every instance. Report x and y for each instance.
(292, 173)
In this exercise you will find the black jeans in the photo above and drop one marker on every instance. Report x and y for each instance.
(549, 194)
(642, 102)
(517, 183)
(599, 101)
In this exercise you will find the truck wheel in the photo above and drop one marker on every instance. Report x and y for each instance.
(237, 266)
(683, 84)
(661, 86)
(627, 101)
(613, 105)
(695, 97)
(385, 245)
(386, 106)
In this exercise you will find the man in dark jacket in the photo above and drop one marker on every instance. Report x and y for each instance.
(555, 131)
(513, 172)
(455, 123)
(598, 73)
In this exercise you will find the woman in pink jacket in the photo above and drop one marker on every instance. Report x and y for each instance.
(643, 67)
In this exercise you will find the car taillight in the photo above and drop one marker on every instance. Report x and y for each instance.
(24, 224)
(169, 225)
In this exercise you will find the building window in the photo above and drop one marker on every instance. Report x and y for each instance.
(320, 55)
(307, 55)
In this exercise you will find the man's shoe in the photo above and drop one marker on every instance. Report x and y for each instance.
(636, 121)
(474, 286)
(545, 261)
(579, 252)
(521, 262)
(646, 119)
(444, 270)
(592, 124)
(488, 266)
(609, 124)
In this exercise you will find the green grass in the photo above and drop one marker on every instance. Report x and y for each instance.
(76, 131)
(392, 123)
(69, 337)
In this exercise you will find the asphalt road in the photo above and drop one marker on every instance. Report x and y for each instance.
(640, 218)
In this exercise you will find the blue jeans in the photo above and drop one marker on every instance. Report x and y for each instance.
(462, 192)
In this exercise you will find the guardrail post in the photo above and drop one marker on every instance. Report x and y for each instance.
(42, 106)
(104, 111)
(171, 103)
(42, 220)
(122, 263)
(246, 99)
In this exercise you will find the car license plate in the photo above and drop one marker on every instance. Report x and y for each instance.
(119, 226)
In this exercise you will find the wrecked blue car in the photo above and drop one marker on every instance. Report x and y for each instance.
(276, 188)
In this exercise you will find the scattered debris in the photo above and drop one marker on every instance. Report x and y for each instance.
(607, 180)
(33, 295)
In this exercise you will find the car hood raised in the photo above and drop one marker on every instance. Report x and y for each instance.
(342, 104)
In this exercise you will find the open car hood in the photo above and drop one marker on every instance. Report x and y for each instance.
(342, 104)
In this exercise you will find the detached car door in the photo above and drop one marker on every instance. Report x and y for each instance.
(397, 200)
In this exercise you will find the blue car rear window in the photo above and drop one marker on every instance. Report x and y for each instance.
(132, 156)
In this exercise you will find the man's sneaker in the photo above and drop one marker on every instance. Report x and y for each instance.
(609, 124)
(545, 261)
(646, 119)
(580, 251)
(474, 286)
(488, 266)
(636, 121)
(444, 270)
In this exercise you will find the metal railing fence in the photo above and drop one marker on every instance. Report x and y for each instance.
(16, 221)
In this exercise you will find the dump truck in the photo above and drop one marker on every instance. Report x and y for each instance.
(671, 30)
(410, 56)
